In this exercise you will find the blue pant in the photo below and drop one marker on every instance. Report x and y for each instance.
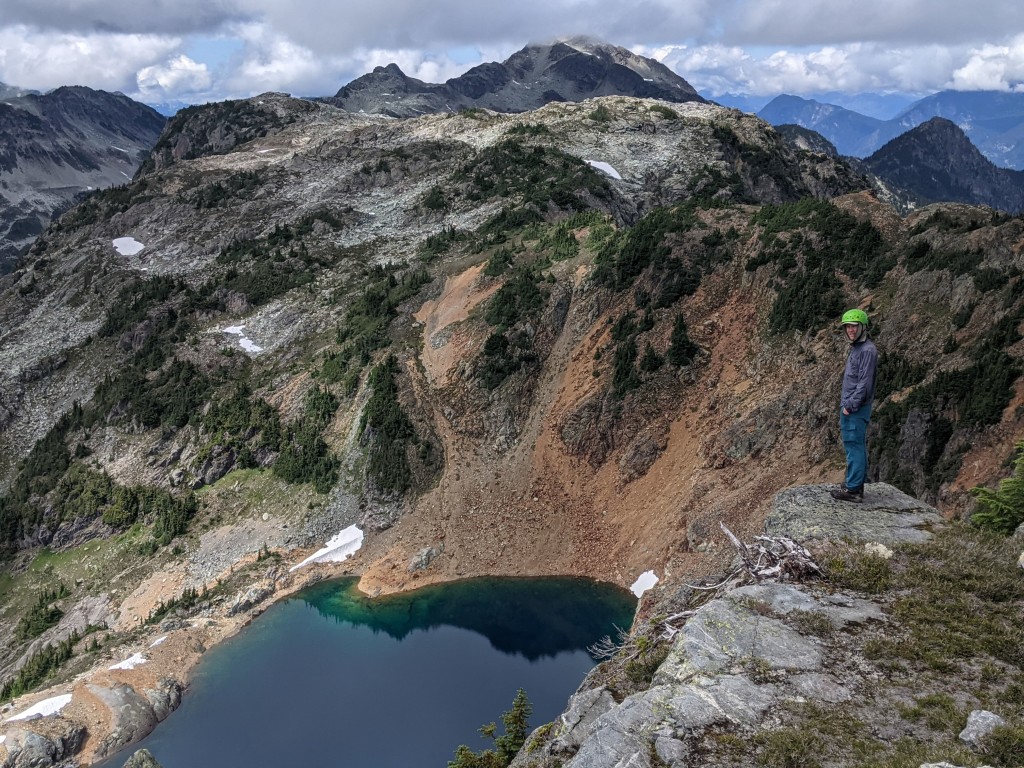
(854, 429)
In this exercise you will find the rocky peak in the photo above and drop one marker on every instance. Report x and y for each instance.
(936, 161)
(56, 145)
(571, 69)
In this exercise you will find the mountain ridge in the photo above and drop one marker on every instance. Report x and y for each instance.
(566, 70)
(936, 161)
(58, 145)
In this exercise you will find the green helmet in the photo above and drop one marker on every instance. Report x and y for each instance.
(855, 316)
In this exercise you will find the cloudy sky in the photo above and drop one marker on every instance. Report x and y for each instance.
(202, 50)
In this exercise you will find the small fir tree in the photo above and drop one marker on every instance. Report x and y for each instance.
(681, 350)
(1002, 510)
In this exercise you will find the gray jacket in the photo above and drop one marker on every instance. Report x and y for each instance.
(859, 376)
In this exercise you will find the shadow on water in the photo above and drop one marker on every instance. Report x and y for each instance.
(534, 617)
(329, 677)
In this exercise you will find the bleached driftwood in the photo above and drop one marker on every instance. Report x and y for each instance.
(774, 557)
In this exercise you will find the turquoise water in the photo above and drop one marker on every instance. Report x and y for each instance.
(330, 678)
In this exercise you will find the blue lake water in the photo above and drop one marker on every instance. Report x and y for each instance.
(330, 678)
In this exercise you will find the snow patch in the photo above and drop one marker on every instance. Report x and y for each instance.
(158, 641)
(646, 580)
(605, 168)
(131, 662)
(245, 342)
(263, 151)
(340, 547)
(43, 708)
(127, 246)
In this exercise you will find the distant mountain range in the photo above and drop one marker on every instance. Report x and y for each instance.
(882, 106)
(993, 120)
(567, 70)
(55, 146)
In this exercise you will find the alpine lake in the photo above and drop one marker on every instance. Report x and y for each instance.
(329, 677)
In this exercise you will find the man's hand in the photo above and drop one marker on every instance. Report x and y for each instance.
(846, 411)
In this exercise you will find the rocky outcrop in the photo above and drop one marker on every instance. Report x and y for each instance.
(142, 759)
(705, 681)
(38, 749)
(134, 715)
(739, 657)
(887, 516)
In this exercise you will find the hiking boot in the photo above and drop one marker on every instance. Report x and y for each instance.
(842, 493)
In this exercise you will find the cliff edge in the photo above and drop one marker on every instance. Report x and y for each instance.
(877, 657)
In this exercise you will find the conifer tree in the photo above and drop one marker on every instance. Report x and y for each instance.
(1002, 510)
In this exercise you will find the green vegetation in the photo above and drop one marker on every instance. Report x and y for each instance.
(518, 299)
(365, 327)
(972, 397)
(536, 176)
(387, 429)
(243, 424)
(955, 598)
(1002, 510)
(667, 112)
(810, 241)
(42, 615)
(222, 193)
(506, 746)
(135, 301)
(896, 373)
(434, 200)
(920, 255)
(439, 244)
(305, 457)
(510, 348)
(39, 667)
(500, 260)
(185, 601)
(681, 350)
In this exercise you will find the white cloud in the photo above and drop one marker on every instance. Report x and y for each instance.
(177, 78)
(42, 61)
(993, 68)
(855, 67)
(313, 47)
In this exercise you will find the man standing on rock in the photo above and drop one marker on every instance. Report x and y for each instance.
(855, 405)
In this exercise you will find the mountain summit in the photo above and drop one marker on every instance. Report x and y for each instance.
(570, 69)
(937, 162)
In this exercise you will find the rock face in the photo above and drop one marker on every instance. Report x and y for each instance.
(703, 681)
(59, 144)
(568, 70)
(740, 657)
(29, 749)
(134, 715)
